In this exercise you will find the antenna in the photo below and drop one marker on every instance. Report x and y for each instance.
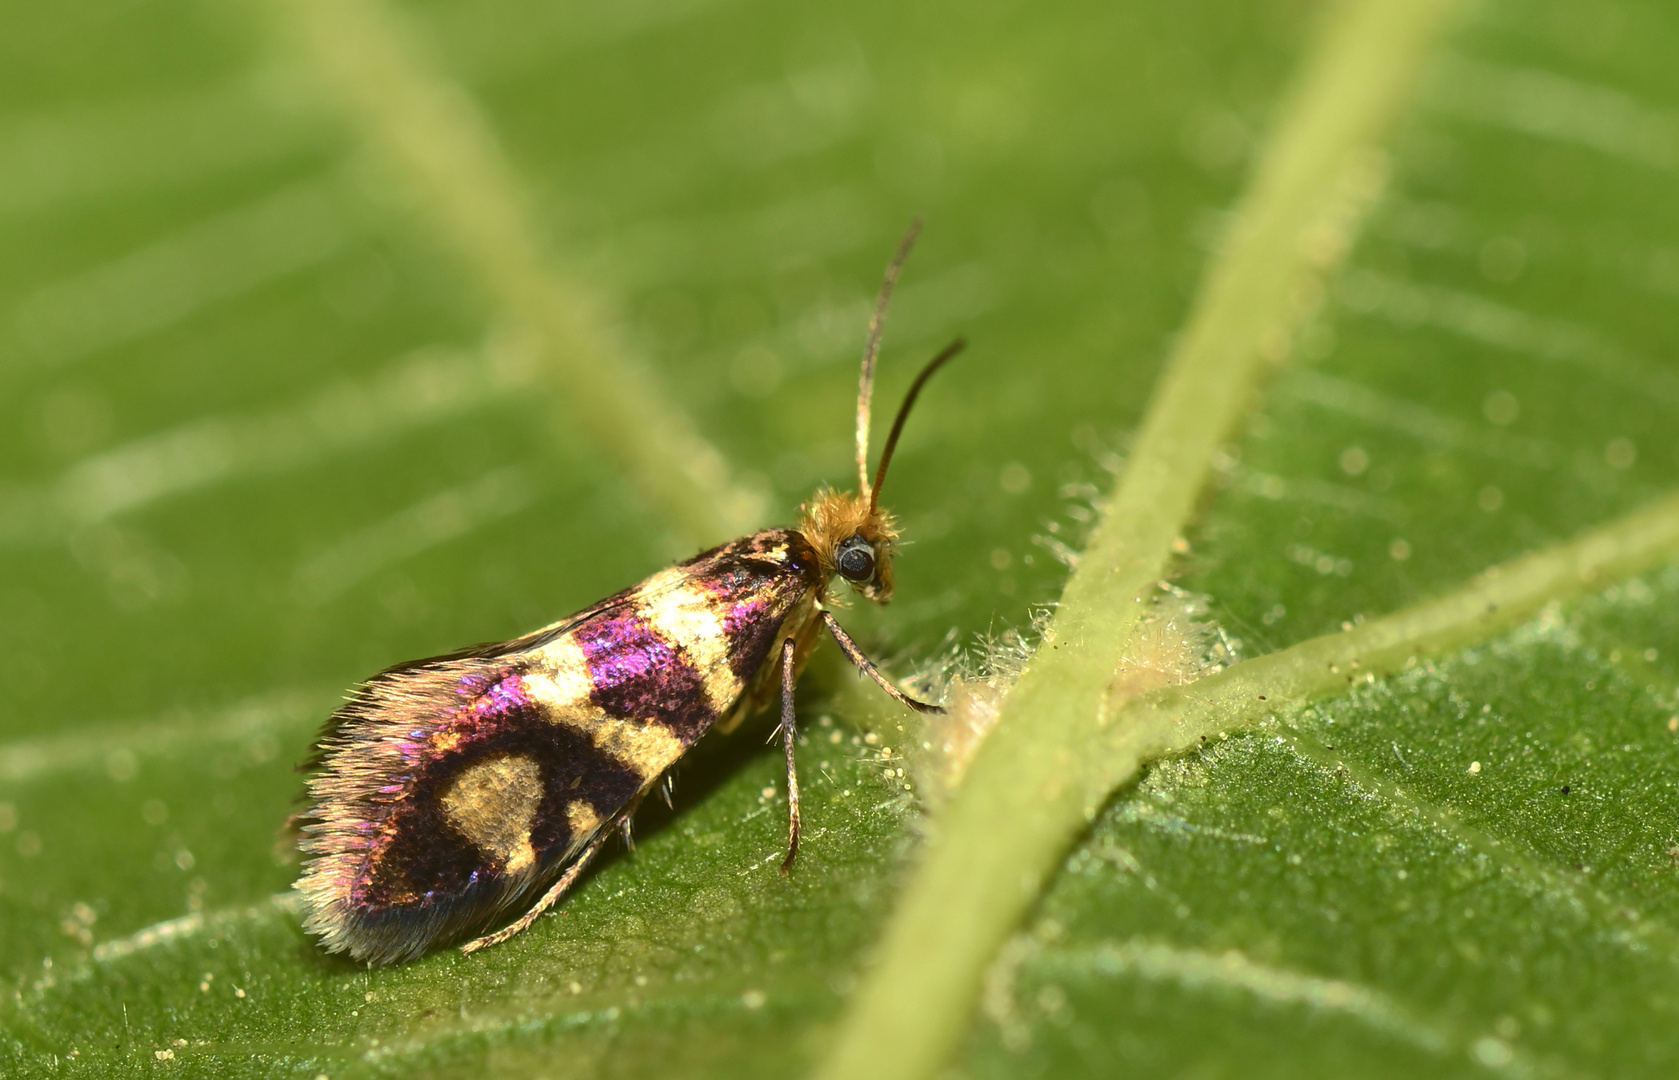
(877, 322)
(903, 413)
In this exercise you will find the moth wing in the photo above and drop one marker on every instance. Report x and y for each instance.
(450, 790)
(366, 694)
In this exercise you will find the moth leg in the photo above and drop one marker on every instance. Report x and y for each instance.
(866, 666)
(626, 829)
(667, 785)
(789, 676)
(567, 879)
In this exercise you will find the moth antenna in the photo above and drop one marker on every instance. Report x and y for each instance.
(871, 349)
(903, 413)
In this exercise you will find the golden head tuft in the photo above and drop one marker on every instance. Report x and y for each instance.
(832, 520)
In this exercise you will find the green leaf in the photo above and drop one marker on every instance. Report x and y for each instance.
(286, 397)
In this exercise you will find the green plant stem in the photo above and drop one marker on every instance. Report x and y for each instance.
(1022, 802)
(1504, 596)
(431, 136)
(1180, 718)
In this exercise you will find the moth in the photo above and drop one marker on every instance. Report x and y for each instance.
(450, 793)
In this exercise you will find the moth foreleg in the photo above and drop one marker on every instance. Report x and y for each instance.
(789, 676)
(866, 666)
(567, 879)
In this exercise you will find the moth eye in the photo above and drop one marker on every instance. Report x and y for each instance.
(855, 560)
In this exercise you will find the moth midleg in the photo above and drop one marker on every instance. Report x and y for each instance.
(789, 678)
(801, 627)
(567, 879)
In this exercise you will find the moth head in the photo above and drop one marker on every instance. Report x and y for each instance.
(853, 541)
(852, 535)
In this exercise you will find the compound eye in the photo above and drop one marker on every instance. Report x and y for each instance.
(854, 559)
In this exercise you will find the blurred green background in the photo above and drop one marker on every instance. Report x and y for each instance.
(264, 429)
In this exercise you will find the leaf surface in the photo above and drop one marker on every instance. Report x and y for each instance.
(263, 431)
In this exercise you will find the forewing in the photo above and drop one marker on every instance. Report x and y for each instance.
(453, 789)
(449, 795)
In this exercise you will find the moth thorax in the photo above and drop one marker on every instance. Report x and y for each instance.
(853, 540)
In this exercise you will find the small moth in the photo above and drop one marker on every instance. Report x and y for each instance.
(450, 793)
